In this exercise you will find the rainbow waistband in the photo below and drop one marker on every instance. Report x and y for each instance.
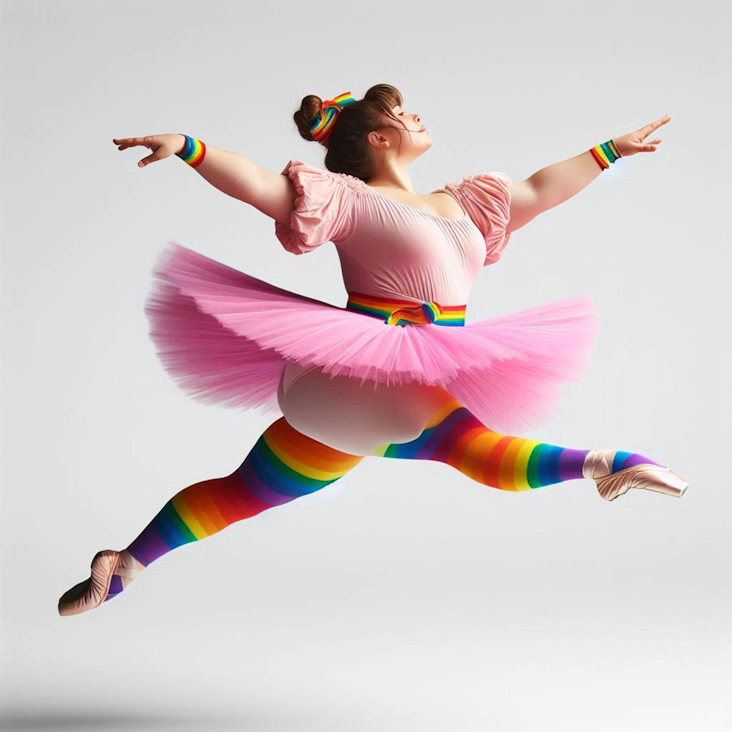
(406, 312)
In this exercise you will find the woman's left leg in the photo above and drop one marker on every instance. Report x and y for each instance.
(453, 435)
(427, 423)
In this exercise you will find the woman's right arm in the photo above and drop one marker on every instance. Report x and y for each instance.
(271, 193)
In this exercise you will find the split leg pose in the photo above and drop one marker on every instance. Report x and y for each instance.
(329, 426)
(409, 263)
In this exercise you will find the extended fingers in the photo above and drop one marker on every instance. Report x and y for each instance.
(655, 125)
(125, 142)
(647, 146)
(150, 158)
(645, 131)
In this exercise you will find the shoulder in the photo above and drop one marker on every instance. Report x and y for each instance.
(495, 184)
(485, 194)
(304, 174)
(323, 207)
(487, 199)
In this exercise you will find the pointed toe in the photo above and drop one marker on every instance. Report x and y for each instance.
(91, 592)
(647, 476)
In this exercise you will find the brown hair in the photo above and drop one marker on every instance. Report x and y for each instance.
(348, 150)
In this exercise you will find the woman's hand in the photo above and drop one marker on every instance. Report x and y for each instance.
(634, 142)
(162, 146)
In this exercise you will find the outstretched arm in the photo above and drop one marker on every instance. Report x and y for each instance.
(235, 175)
(557, 183)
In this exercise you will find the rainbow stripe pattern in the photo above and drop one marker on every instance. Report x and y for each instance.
(455, 437)
(405, 312)
(193, 152)
(323, 127)
(283, 465)
(605, 154)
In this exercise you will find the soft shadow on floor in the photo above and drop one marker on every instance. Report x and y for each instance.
(30, 721)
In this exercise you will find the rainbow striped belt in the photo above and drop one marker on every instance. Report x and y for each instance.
(406, 312)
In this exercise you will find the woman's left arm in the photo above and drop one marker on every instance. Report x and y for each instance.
(557, 183)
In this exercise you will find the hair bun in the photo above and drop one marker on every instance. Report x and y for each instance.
(348, 148)
(311, 108)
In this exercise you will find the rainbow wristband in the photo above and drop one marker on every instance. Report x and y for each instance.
(193, 152)
(605, 154)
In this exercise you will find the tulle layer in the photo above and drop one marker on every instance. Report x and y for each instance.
(225, 338)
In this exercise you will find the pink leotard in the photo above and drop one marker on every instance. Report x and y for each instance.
(391, 249)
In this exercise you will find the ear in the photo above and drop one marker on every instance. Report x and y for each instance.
(377, 140)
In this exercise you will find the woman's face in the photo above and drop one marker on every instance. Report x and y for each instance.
(410, 141)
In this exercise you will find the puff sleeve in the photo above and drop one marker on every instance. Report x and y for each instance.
(487, 199)
(323, 208)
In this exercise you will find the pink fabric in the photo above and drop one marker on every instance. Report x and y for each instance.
(226, 337)
(487, 198)
(322, 209)
(391, 249)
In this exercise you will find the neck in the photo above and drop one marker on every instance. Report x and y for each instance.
(392, 174)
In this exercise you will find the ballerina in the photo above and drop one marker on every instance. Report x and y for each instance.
(383, 376)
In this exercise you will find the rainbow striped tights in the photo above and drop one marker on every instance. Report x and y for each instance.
(285, 464)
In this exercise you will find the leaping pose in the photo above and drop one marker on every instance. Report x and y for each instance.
(397, 372)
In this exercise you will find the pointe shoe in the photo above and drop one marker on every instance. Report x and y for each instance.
(598, 467)
(93, 592)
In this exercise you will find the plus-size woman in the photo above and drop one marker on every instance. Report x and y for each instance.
(397, 373)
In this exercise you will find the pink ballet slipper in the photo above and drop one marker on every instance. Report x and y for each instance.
(598, 467)
(93, 591)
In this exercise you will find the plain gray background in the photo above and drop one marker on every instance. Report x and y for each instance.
(406, 596)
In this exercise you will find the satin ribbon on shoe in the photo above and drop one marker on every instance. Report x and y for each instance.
(406, 312)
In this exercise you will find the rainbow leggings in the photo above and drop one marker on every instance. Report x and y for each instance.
(285, 464)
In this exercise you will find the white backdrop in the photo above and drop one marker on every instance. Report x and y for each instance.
(406, 596)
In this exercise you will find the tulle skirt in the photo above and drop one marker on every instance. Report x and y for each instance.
(225, 338)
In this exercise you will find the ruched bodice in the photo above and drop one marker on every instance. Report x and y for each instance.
(391, 249)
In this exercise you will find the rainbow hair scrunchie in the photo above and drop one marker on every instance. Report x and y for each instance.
(323, 127)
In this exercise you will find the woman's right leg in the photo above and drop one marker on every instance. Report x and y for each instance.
(283, 465)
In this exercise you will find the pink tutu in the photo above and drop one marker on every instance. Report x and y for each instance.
(225, 338)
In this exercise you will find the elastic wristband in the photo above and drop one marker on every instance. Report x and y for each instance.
(605, 154)
(193, 152)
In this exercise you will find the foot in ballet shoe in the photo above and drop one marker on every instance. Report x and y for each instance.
(598, 466)
(111, 572)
